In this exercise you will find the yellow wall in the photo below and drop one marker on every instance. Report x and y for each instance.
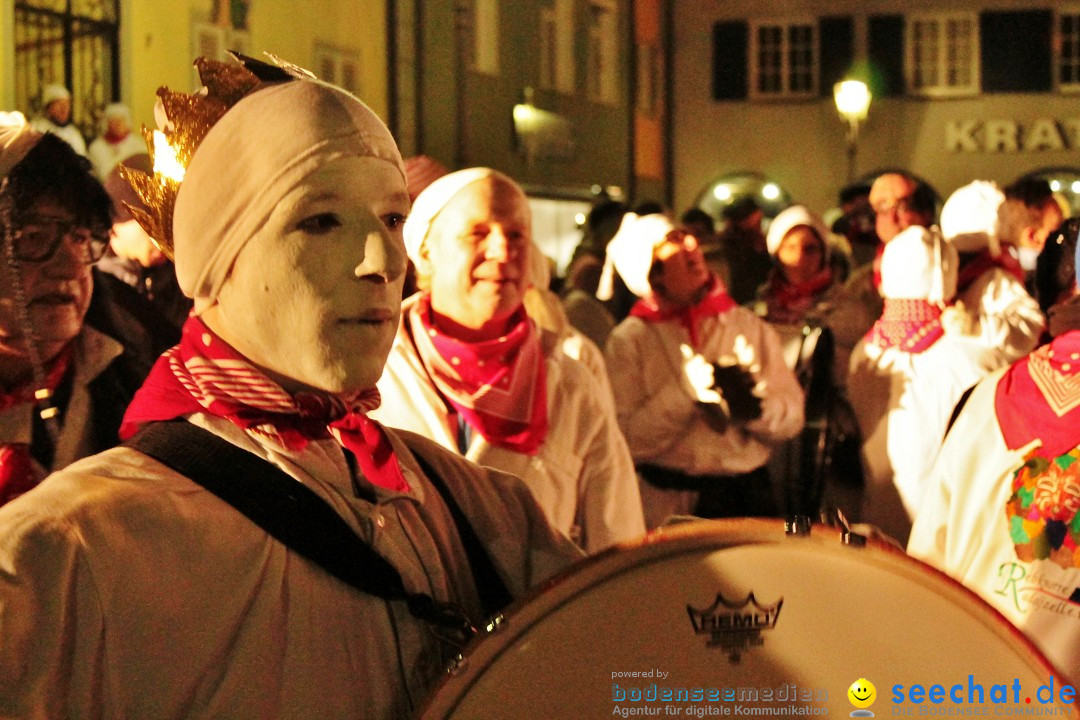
(156, 42)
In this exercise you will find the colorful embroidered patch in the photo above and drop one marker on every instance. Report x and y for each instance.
(1043, 520)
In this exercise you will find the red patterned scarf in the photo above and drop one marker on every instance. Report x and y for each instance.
(498, 386)
(972, 268)
(715, 302)
(910, 325)
(788, 302)
(1039, 398)
(18, 472)
(205, 374)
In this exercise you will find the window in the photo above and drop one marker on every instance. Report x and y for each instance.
(486, 37)
(603, 51)
(338, 67)
(783, 59)
(942, 54)
(1068, 47)
(557, 46)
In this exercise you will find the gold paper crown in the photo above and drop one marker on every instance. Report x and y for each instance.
(189, 119)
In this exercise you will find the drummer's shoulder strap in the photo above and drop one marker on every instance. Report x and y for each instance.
(297, 517)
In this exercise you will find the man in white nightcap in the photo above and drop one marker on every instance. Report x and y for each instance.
(56, 117)
(116, 143)
(701, 388)
(907, 374)
(984, 229)
(313, 563)
(470, 370)
(1000, 513)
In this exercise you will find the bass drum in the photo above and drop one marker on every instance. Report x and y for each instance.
(735, 617)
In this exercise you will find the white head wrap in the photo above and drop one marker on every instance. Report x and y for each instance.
(116, 110)
(630, 253)
(261, 149)
(918, 264)
(16, 139)
(792, 218)
(53, 92)
(436, 196)
(969, 218)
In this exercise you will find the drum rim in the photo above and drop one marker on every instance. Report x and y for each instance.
(685, 537)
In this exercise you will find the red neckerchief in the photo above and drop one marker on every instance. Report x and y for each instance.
(115, 139)
(877, 265)
(973, 267)
(498, 386)
(1039, 398)
(715, 302)
(205, 374)
(18, 473)
(788, 302)
(910, 325)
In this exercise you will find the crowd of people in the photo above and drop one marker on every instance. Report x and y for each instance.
(312, 413)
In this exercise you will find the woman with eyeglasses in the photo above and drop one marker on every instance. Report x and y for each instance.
(63, 387)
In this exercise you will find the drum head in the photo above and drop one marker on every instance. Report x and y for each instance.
(732, 617)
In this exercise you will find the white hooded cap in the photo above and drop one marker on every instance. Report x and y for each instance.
(790, 219)
(436, 196)
(969, 218)
(918, 264)
(53, 92)
(630, 253)
(16, 139)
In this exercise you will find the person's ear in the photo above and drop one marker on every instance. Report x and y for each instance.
(422, 261)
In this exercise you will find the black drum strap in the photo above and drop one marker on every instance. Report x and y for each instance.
(297, 517)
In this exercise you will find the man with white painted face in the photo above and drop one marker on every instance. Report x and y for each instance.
(470, 370)
(260, 547)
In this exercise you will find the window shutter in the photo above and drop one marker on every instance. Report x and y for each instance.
(885, 38)
(836, 36)
(1016, 51)
(730, 48)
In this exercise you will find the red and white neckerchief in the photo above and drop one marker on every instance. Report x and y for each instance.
(910, 325)
(499, 386)
(18, 471)
(715, 302)
(205, 374)
(1039, 398)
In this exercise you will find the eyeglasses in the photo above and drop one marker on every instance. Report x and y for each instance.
(902, 204)
(38, 237)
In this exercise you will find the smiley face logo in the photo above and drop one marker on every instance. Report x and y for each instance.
(862, 694)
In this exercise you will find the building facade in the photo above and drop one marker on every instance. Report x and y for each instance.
(962, 90)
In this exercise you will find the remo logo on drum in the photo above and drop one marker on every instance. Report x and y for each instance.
(735, 627)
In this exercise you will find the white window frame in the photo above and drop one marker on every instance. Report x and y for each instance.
(557, 46)
(602, 79)
(784, 91)
(485, 56)
(1059, 43)
(334, 65)
(940, 48)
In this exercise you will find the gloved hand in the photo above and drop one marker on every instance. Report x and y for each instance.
(736, 385)
(698, 373)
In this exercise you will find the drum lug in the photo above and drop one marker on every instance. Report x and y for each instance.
(798, 525)
(457, 664)
(494, 623)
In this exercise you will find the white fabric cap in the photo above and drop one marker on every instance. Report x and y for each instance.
(790, 219)
(16, 139)
(436, 196)
(969, 218)
(117, 110)
(53, 92)
(261, 149)
(630, 253)
(918, 264)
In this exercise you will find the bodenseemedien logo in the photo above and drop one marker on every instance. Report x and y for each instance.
(862, 695)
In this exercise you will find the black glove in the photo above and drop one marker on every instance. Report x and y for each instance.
(736, 385)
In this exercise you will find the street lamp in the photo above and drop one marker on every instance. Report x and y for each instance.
(852, 99)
